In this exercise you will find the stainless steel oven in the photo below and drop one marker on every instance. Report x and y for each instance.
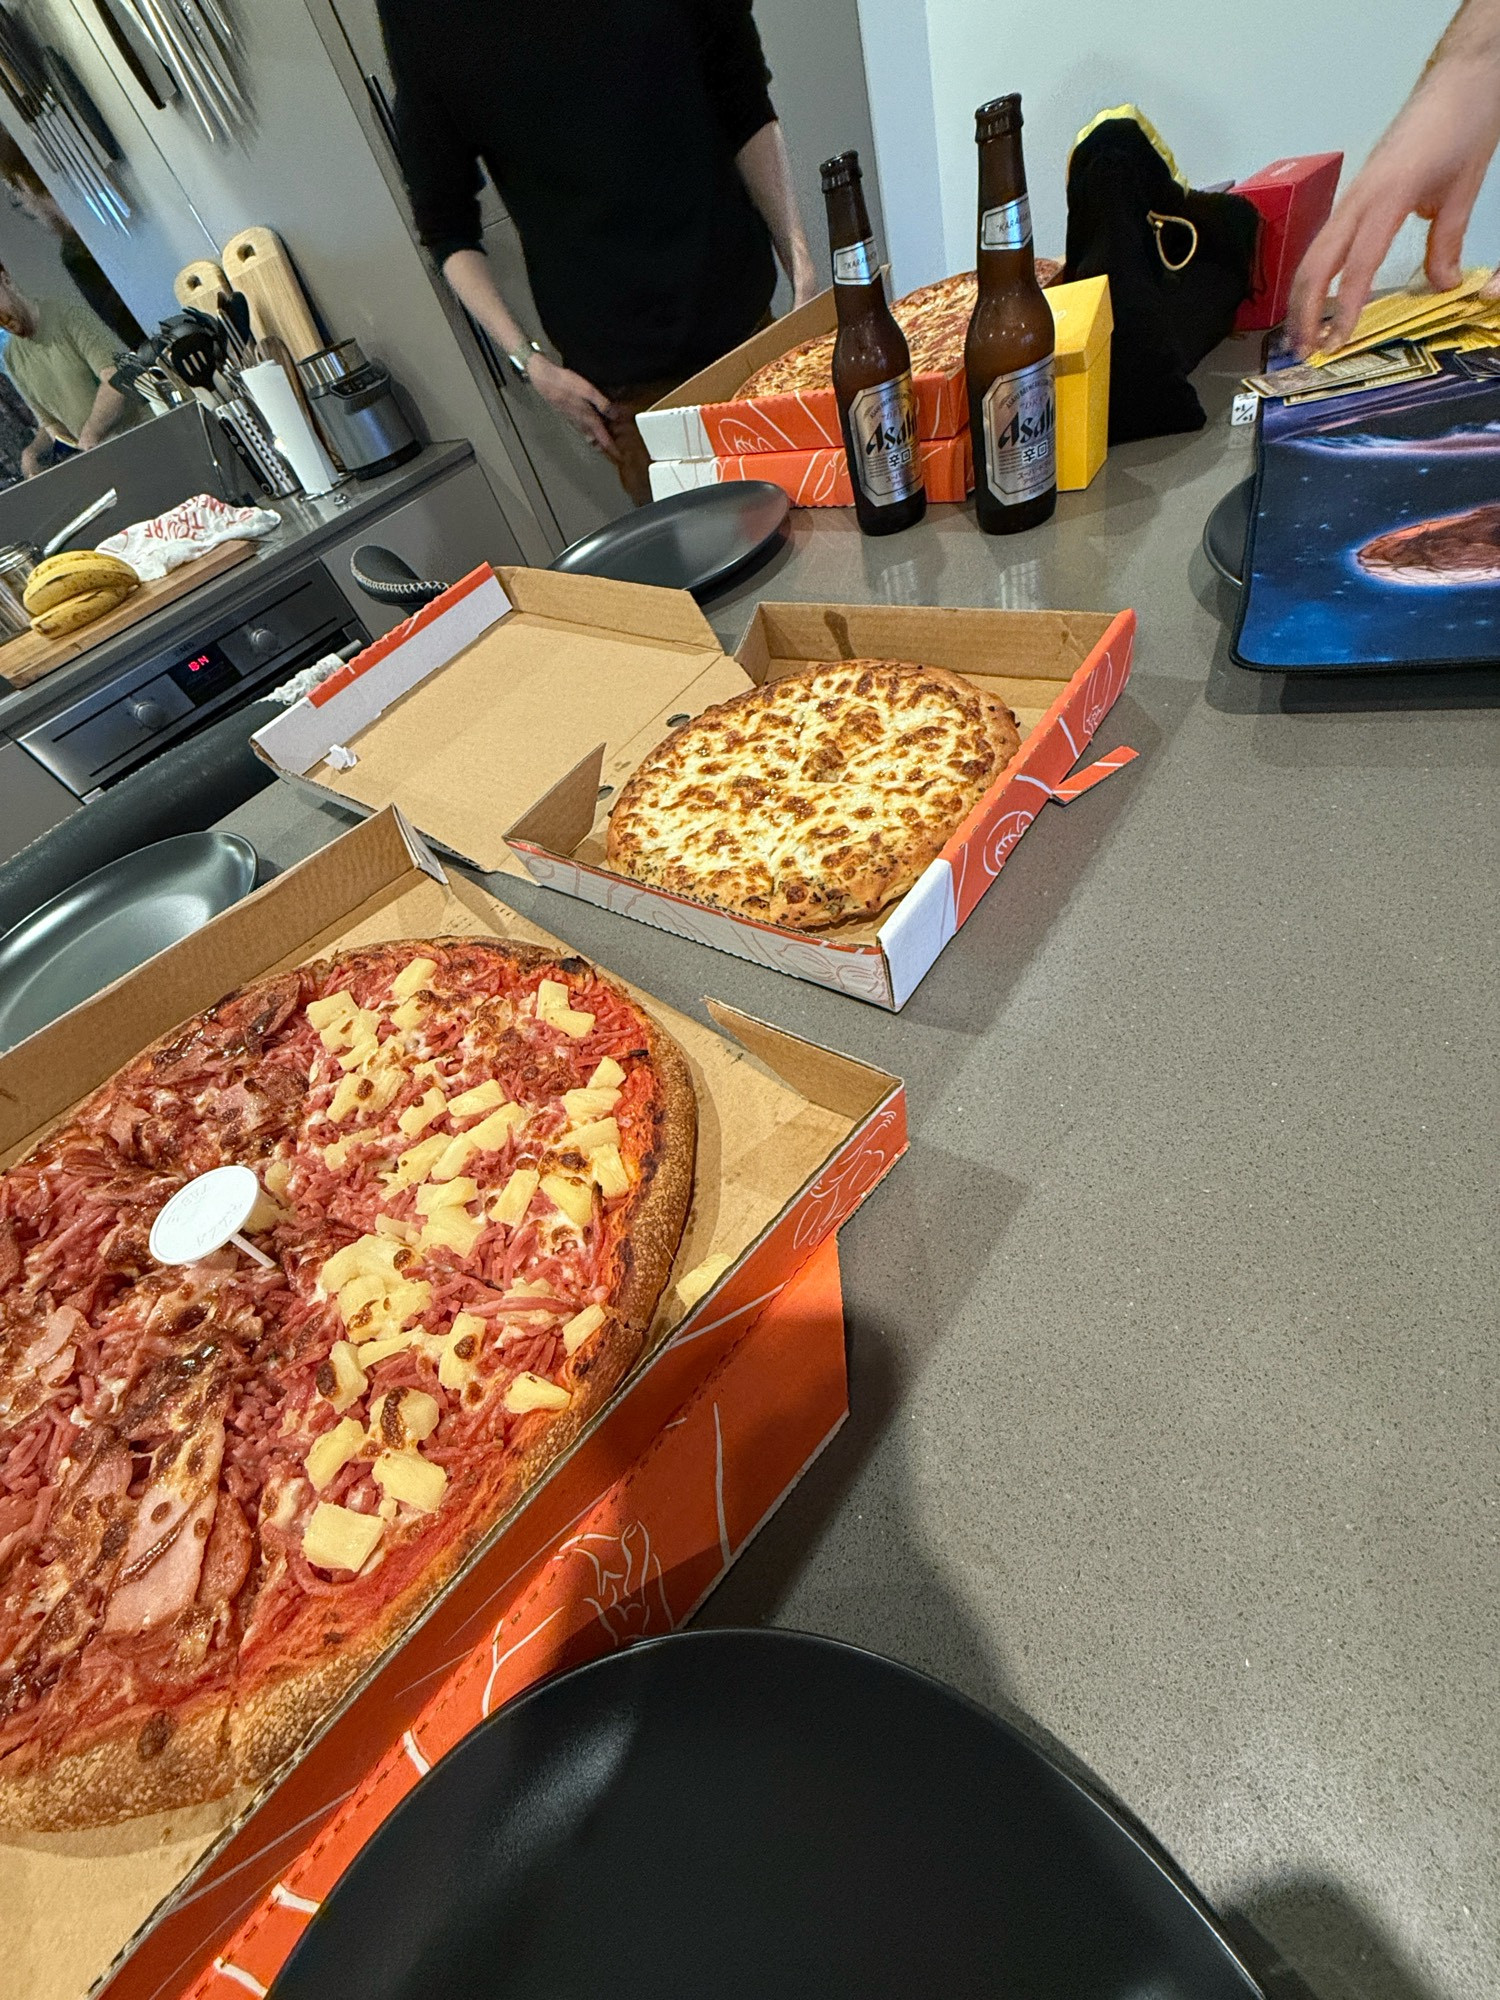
(89, 742)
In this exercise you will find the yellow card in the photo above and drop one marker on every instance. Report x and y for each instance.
(1403, 315)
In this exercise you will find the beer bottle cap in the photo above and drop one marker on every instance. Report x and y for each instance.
(1000, 115)
(841, 171)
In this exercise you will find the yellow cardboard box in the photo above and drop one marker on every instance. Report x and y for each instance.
(1084, 325)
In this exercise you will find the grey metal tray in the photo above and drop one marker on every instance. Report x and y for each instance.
(701, 541)
(114, 920)
(1226, 531)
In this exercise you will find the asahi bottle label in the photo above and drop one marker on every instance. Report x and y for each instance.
(1007, 227)
(1020, 434)
(883, 436)
(855, 264)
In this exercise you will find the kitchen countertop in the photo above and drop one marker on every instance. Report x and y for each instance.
(308, 526)
(1173, 1395)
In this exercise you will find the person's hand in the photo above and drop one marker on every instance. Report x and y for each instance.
(1430, 162)
(586, 408)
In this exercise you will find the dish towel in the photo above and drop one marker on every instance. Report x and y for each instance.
(155, 548)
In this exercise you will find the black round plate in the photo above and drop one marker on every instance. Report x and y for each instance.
(1226, 531)
(701, 541)
(114, 920)
(737, 1814)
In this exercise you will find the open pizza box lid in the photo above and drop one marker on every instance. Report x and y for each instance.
(504, 718)
(471, 713)
(792, 1137)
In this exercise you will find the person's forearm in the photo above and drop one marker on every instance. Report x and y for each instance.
(1472, 36)
(473, 282)
(109, 407)
(586, 408)
(34, 457)
(766, 171)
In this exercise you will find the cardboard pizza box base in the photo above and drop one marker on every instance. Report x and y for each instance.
(507, 714)
(637, 1566)
(791, 1139)
(1059, 672)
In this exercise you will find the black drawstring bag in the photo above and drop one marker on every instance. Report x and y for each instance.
(1178, 263)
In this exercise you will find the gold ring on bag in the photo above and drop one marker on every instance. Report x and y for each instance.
(1158, 224)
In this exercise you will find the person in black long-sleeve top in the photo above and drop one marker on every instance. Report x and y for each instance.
(639, 156)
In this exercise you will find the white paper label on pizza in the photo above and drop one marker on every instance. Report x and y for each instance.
(1020, 433)
(856, 263)
(883, 441)
(1007, 227)
(204, 1214)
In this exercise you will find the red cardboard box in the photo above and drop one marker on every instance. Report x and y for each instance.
(1295, 199)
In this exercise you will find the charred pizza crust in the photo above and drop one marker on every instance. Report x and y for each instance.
(159, 1756)
(816, 798)
(152, 1760)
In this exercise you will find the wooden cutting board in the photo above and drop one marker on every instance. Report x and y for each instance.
(256, 262)
(200, 284)
(26, 659)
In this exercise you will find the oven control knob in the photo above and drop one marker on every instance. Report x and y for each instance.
(149, 714)
(261, 639)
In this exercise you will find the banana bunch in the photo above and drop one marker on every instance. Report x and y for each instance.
(69, 591)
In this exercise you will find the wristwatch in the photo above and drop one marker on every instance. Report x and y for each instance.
(520, 359)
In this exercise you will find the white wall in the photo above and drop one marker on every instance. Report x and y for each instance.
(903, 113)
(1229, 89)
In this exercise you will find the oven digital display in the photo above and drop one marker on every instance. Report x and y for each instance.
(203, 675)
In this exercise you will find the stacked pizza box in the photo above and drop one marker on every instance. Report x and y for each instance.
(767, 410)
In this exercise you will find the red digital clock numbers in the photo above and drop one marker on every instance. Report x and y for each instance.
(204, 676)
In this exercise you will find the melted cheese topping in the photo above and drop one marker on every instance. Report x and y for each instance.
(816, 798)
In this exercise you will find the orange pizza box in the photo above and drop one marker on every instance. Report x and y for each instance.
(705, 417)
(816, 478)
(507, 713)
(636, 1566)
(792, 1137)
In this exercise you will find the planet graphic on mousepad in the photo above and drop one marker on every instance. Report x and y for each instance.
(1375, 538)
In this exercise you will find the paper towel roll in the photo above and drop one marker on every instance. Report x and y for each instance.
(298, 442)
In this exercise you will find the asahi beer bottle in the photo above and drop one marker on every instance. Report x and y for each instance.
(871, 366)
(1008, 354)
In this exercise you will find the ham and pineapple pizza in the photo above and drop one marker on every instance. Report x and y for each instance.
(813, 799)
(226, 1488)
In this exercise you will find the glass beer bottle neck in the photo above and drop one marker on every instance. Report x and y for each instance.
(1004, 247)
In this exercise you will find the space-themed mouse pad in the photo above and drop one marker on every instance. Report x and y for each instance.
(1375, 528)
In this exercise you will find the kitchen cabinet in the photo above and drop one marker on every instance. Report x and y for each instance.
(31, 800)
(444, 532)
